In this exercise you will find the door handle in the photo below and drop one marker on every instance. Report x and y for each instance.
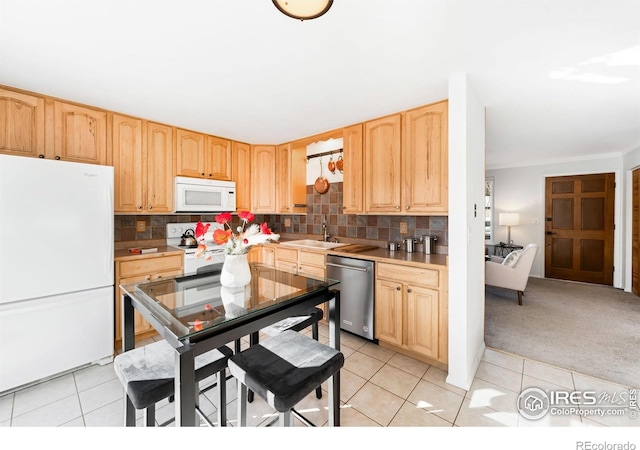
(342, 266)
(549, 233)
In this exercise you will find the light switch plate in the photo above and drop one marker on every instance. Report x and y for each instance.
(403, 228)
(141, 226)
(287, 222)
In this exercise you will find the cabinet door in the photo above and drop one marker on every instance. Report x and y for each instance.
(80, 134)
(382, 164)
(268, 256)
(140, 324)
(128, 163)
(422, 320)
(189, 154)
(389, 311)
(159, 184)
(22, 124)
(283, 182)
(425, 159)
(217, 158)
(353, 175)
(241, 170)
(263, 179)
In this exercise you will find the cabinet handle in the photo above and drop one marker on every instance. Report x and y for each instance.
(150, 207)
(408, 208)
(398, 288)
(140, 207)
(40, 156)
(202, 174)
(397, 207)
(57, 158)
(409, 291)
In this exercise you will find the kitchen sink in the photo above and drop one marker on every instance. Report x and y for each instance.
(310, 243)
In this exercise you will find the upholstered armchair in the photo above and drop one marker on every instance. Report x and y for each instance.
(512, 271)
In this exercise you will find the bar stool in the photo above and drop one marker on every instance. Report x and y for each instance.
(295, 323)
(299, 323)
(147, 375)
(283, 370)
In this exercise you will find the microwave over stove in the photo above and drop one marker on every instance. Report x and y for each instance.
(197, 195)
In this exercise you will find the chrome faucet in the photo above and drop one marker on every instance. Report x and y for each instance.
(325, 234)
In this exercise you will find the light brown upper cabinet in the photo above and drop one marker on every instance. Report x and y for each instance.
(263, 179)
(80, 133)
(143, 165)
(406, 164)
(291, 174)
(202, 156)
(241, 174)
(382, 139)
(217, 158)
(189, 154)
(425, 164)
(128, 158)
(353, 175)
(159, 165)
(22, 124)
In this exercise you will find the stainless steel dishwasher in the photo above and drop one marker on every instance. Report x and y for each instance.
(356, 293)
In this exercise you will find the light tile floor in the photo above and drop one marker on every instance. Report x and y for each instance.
(379, 388)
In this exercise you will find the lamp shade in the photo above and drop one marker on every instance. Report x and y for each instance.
(303, 9)
(509, 219)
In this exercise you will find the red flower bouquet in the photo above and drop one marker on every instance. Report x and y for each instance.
(246, 235)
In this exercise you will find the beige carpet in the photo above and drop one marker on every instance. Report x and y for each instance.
(588, 328)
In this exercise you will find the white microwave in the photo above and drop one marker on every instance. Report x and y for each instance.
(197, 195)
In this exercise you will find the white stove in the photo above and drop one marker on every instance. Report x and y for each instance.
(213, 255)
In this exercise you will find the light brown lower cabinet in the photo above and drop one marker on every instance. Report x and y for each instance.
(411, 310)
(142, 268)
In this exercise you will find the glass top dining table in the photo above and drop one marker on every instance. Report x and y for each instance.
(195, 314)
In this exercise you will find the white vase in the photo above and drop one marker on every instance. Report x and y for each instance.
(235, 271)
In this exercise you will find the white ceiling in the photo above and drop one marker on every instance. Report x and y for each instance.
(560, 79)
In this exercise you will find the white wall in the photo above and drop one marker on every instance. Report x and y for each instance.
(466, 232)
(521, 189)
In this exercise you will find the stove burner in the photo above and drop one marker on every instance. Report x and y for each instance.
(188, 246)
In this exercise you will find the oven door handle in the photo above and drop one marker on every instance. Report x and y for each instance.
(342, 266)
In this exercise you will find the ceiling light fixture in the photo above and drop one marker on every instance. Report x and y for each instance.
(303, 9)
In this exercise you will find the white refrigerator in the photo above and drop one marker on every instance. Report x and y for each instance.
(56, 268)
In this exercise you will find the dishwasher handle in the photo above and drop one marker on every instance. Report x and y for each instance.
(342, 266)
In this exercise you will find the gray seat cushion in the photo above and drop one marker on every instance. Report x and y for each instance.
(147, 373)
(285, 368)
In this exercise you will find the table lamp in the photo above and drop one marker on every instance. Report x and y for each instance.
(510, 220)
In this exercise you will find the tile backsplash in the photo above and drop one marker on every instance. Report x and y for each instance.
(375, 229)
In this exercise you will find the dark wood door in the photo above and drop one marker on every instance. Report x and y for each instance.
(635, 239)
(579, 228)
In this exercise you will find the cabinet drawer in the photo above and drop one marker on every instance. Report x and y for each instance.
(405, 274)
(312, 258)
(287, 253)
(151, 265)
(311, 271)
